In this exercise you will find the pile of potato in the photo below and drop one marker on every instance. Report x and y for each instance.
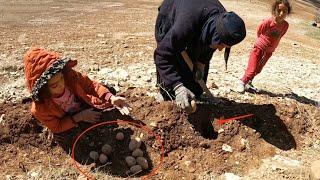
(136, 161)
(106, 150)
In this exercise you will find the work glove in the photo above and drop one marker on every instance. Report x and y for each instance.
(183, 97)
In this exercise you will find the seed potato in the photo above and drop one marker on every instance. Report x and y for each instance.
(106, 149)
(142, 162)
(135, 169)
(103, 158)
(94, 155)
(131, 161)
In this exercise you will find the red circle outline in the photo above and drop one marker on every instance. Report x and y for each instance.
(145, 128)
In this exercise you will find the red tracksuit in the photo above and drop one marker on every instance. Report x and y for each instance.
(269, 34)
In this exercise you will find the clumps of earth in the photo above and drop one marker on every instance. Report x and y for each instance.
(134, 159)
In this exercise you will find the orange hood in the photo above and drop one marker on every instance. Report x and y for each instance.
(40, 66)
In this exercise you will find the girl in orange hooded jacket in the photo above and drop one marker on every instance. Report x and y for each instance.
(63, 97)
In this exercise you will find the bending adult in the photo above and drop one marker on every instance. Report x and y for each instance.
(198, 27)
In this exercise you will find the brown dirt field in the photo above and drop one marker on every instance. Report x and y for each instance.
(192, 138)
(119, 34)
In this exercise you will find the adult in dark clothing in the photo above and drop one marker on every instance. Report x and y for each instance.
(198, 27)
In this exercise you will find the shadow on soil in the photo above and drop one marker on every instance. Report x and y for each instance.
(291, 95)
(265, 121)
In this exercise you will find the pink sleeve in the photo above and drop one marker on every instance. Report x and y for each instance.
(263, 27)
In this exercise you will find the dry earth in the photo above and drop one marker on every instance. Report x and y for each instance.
(114, 43)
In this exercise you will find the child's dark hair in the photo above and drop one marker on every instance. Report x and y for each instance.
(277, 2)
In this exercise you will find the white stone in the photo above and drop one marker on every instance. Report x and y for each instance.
(104, 71)
(2, 119)
(286, 161)
(315, 170)
(187, 163)
(120, 74)
(231, 176)
(227, 148)
(153, 124)
(220, 130)
(100, 35)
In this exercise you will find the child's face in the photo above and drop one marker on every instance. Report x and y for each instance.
(56, 85)
(281, 12)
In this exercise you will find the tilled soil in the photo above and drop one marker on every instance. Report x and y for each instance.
(191, 143)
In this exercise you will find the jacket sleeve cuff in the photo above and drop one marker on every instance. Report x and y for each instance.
(176, 85)
(108, 96)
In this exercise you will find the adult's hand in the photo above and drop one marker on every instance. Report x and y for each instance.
(183, 96)
(87, 115)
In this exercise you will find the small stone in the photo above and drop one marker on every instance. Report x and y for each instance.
(243, 144)
(315, 170)
(2, 119)
(314, 24)
(231, 176)
(34, 174)
(220, 131)
(187, 163)
(100, 35)
(153, 124)
(227, 148)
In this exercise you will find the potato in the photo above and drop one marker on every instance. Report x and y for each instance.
(103, 158)
(137, 153)
(120, 136)
(135, 169)
(142, 162)
(131, 161)
(134, 144)
(106, 149)
(94, 155)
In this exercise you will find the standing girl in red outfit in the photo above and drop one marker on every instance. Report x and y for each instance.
(269, 33)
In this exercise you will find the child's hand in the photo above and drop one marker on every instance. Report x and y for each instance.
(87, 115)
(120, 104)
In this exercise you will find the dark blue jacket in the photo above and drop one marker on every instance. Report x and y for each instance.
(179, 26)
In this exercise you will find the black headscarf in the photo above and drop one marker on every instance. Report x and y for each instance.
(227, 28)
